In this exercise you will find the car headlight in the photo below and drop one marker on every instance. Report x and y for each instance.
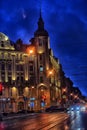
(72, 108)
(77, 108)
(83, 108)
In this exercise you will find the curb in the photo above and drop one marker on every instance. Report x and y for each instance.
(15, 117)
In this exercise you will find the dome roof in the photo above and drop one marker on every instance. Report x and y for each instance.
(3, 37)
(5, 43)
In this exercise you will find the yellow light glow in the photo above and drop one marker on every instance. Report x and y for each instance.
(6, 38)
(71, 94)
(32, 86)
(64, 89)
(75, 96)
(14, 88)
(41, 84)
(50, 72)
(26, 78)
(40, 51)
(47, 68)
(26, 88)
(13, 78)
(31, 50)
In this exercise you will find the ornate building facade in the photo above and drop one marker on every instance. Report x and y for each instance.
(29, 74)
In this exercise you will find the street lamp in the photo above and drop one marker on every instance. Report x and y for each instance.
(64, 90)
(50, 72)
(31, 50)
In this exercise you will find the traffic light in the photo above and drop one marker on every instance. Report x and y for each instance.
(0, 89)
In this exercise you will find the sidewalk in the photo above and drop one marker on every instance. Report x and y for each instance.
(15, 116)
(19, 115)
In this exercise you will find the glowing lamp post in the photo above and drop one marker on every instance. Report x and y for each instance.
(64, 90)
(50, 73)
(31, 50)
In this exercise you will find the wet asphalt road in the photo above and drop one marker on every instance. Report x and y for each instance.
(48, 121)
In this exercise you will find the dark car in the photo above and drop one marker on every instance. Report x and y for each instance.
(55, 109)
(52, 109)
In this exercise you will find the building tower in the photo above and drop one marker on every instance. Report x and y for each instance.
(41, 42)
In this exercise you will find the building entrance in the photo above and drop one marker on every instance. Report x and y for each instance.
(21, 105)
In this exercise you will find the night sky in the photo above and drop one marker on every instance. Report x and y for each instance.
(66, 23)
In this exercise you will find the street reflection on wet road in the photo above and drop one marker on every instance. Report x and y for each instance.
(49, 121)
(78, 120)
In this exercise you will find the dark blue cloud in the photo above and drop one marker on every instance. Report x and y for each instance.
(66, 22)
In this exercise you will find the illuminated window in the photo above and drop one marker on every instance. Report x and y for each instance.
(41, 68)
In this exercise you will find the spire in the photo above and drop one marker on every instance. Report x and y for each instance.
(40, 8)
(40, 31)
(40, 21)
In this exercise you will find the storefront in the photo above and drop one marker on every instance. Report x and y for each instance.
(5, 104)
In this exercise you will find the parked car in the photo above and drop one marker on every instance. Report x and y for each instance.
(54, 109)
